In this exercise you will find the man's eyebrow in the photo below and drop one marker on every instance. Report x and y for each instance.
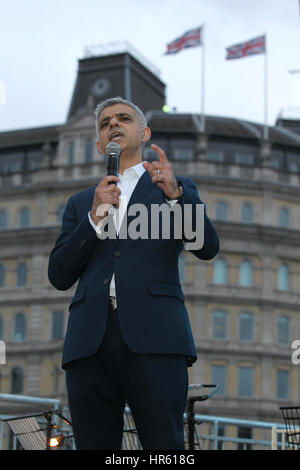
(118, 115)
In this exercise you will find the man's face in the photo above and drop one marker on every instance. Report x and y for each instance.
(119, 123)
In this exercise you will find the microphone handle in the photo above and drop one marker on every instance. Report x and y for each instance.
(112, 166)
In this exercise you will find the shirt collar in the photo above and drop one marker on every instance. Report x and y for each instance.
(137, 169)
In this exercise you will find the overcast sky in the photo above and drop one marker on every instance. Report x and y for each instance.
(42, 40)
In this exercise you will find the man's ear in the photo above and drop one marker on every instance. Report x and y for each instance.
(146, 134)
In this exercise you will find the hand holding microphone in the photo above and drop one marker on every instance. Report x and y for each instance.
(107, 193)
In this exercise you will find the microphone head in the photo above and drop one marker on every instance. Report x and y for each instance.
(112, 152)
(113, 148)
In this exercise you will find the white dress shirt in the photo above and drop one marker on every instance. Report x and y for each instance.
(127, 184)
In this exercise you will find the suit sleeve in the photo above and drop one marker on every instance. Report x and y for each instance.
(72, 249)
(191, 197)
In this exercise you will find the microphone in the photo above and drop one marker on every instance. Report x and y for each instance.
(112, 152)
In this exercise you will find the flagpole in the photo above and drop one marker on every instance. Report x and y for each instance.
(266, 128)
(203, 81)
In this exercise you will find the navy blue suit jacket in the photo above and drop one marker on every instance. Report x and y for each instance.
(151, 309)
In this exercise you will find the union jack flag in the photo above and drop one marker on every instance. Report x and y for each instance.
(191, 38)
(254, 46)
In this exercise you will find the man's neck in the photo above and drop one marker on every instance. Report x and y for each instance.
(125, 163)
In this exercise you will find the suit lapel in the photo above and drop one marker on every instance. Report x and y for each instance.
(144, 185)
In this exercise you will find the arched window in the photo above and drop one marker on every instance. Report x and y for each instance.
(88, 151)
(220, 271)
(284, 218)
(16, 382)
(283, 277)
(247, 213)
(282, 384)
(21, 274)
(246, 273)
(283, 330)
(221, 210)
(245, 381)
(71, 147)
(3, 219)
(24, 217)
(19, 327)
(2, 275)
(218, 374)
(246, 325)
(57, 326)
(219, 324)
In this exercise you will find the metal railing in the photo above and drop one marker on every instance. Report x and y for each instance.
(50, 403)
(203, 432)
(222, 433)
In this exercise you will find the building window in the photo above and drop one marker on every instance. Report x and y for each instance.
(282, 384)
(21, 274)
(246, 327)
(2, 275)
(283, 330)
(17, 378)
(57, 325)
(246, 213)
(183, 154)
(34, 157)
(88, 151)
(246, 274)
(218, 376)
(220, 271)
(3, 219)
(237, 153)
(182, 149)
(219, 329)
(283, 277)
(19, 327)
(292, 162)
(215, 156)
(284, 218)
(244, 158)
(221, 211)
(24, 217)
(71, 147)
(244, 432)
(245, 381)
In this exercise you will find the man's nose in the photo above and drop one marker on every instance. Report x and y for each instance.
(113, 122)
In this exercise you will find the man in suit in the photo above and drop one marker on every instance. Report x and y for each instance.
(128, 336)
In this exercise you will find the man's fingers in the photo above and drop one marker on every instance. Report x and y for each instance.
(146, 165)
(158, 178)
(112, 188)
(160, 152)
(109, 179)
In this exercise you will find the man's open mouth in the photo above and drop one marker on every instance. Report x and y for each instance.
(115, 136)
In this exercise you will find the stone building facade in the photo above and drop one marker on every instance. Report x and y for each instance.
(243, 305)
